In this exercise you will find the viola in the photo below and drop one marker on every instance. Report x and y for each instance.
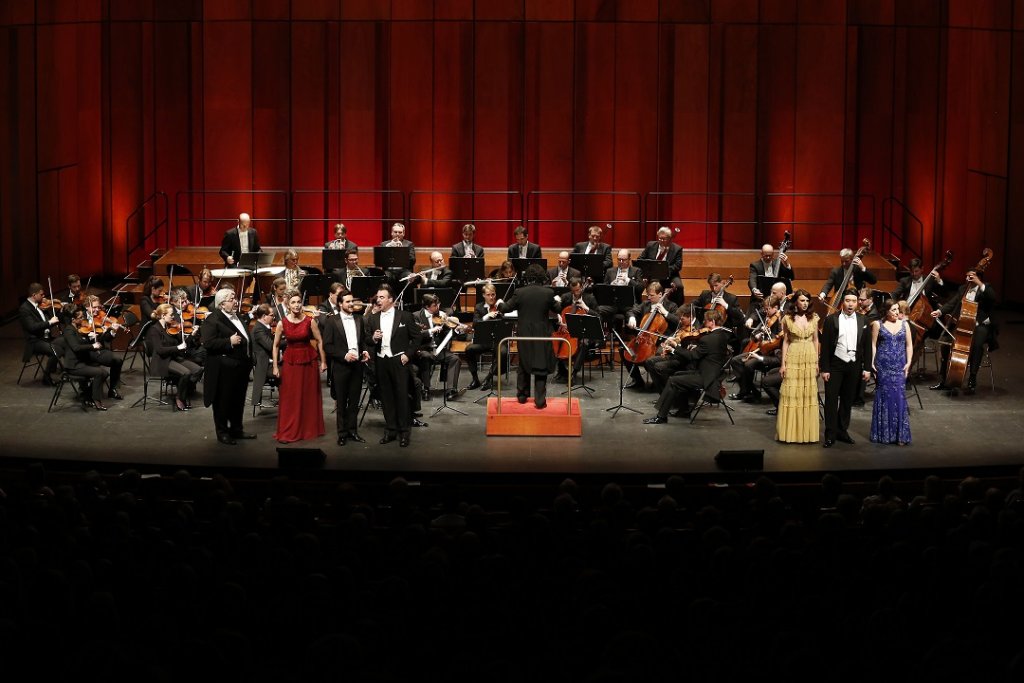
(965, 325)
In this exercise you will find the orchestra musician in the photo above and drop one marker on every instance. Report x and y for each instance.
(341, 240)
(227, 368)
(292, 273)
(594, 245)
(344, 344)
(533, 302)
(624, 275)
(662, 365)
(861, 274)
(332, 304)
(440, 275)
(506, 271)
(977, 290)
(584, 303)
(484, 310)
(467, 248)
(664, 249)
(73, 295)
(767, 266)
(152, 296)
(167, 356)
(716, 296)
(767, 328)
(562, 272)
(103, 355)
(262, 341)
(655, 301)
(909, 285)
(79, 357)
(240, 239)
(352, 267)
(393, 335)
(202, 293)
(36, 323)
(708, 356)
(434, 323)
(398, 240)
(522, 247)
(276, 298)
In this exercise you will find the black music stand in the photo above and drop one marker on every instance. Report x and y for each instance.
(467, 269)
(765, 283)
(584, 328)
(391, 257)
(521, 264)
(628, 354)
(619, 297)
(365, 288)
(251, 260)
(653, 270)
(445, 294)
(333, 259)
(589, 265)
(444, 378)
(488, 333)
(314, 285)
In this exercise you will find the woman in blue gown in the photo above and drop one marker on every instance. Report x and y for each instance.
(893, 349)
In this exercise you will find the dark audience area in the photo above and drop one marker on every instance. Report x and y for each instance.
(126, 577)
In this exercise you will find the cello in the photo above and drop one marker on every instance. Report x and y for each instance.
(964, 332)
(564, 351)
(919, 309)
(837, 298)
(651, 329)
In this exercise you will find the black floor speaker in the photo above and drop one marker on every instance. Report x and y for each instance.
(740, 460)
(300, 458)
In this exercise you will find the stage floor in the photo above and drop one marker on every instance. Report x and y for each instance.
(950, 432)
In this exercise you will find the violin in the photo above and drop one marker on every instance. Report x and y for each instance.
(175, 328)
(310, 311)
(447, 321)
(52, 304)
(192, 312)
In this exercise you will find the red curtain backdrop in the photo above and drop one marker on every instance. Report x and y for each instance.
(732, 120)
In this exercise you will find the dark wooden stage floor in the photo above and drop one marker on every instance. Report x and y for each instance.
(962, 432)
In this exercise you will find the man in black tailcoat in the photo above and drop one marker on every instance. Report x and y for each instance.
(393, 336)
(344, 344)
(844, 361)
(228, 362)
(534, 302)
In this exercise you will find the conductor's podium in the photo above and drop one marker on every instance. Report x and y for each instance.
(558, 418)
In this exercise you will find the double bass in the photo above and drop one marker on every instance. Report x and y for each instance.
(837, 298)
(964, 332)
(919, 309)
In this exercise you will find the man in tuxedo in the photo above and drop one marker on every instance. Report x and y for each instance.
(655, 301)
(467, 248)
(428, 355)
(861, 274)
(227, 367)
(262, 340)
(534, 302)
(664, 249)
(576, 302)
(345, 345)
(562, 272)
(394, 337)
(976, 290)
(332, 304)
(341, 240)
(523, 247)
(36, 324)
(102, 355)
(911, 286)
(844, 361)
(717, 294)
(594, 245)
(709, 355)
(240, 239)
(766, 266)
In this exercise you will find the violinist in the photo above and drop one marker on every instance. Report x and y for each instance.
(769, 265)
(467, 248)
(332, 304)
(437, 333)
(656, 304)
(103, 332)
(202, 293)
(74, 295)
(661, 366)
(760, 356)
(276, 299)
(977, 290)
(36, 323)
(708, 356)
(440, 275)
(152, 296)
(239, 240)
(185, 313)
(562, 273)
(664, 249)
(866, 304)
(861, 274)
(755, 312)
(341, 240)
(578, 302)
(262, 339)
(484, 310)
(523, 247)
(292, 275)
(167, 356)
(80, 356)
(717, 297)
(594, 245)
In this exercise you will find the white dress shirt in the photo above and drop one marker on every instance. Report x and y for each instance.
(387, 323)
(349, 323)
(846, 348)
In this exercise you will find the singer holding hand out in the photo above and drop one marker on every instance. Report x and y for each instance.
(393, 335)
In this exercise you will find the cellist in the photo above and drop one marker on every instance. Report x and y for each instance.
(640, 318)
(578, 302)
(977, 291)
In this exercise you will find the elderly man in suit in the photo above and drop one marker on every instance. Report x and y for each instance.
(228, 362)
(844, 361)
(239, 240)
(594, 245)
(562, 272)
(346, 347)
(769, 265)
(664, 249)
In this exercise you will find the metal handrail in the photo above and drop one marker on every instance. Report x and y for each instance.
(576, 193)
(402, 217)
(185, 193)
(142, 240)
(707, 223)
(887, 225)
(473, 219)
(568, 403)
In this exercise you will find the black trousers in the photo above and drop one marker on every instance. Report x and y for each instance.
(840, 391)
(94, 373)
(679, 387)
(229, 404)
(346, 383)
(187, 375)
(393, 384)
(540, 385)
(111, 360)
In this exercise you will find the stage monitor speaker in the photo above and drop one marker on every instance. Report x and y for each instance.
(740, 460)
(300, 458)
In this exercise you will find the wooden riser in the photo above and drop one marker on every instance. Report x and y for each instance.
(526, 420)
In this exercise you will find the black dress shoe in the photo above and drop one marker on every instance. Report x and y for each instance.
(522, 399)
(938, 387)
(388, 438)
(48, 381)
(180, 405)
(417, 414)
(426, 396)
(541, 405)
(475, 384)
(355, 437)
(98, 405)
(972, 385)
(656, 420)
(419, 423)
(845, 438)
(635, 384)
(486, 386)
(226, 440)
(341, 441)
(772, 411)
(404, 441)
(738, 396)
(827, 443)
(243, 435)
(113, 393)
(452, 395)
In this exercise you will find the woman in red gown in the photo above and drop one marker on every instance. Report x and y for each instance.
(300, 412)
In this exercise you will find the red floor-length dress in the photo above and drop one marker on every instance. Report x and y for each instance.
(300, 413)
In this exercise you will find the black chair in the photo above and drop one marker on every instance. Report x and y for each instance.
(131, 321)
(716, 396)
(72, 378)
(36, 361)
(139, 343)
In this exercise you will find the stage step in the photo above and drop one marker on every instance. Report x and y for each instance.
(524, 419)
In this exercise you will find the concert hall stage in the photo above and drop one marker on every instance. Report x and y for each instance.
(965, 432)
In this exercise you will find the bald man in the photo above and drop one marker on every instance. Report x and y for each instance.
(239, 240)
